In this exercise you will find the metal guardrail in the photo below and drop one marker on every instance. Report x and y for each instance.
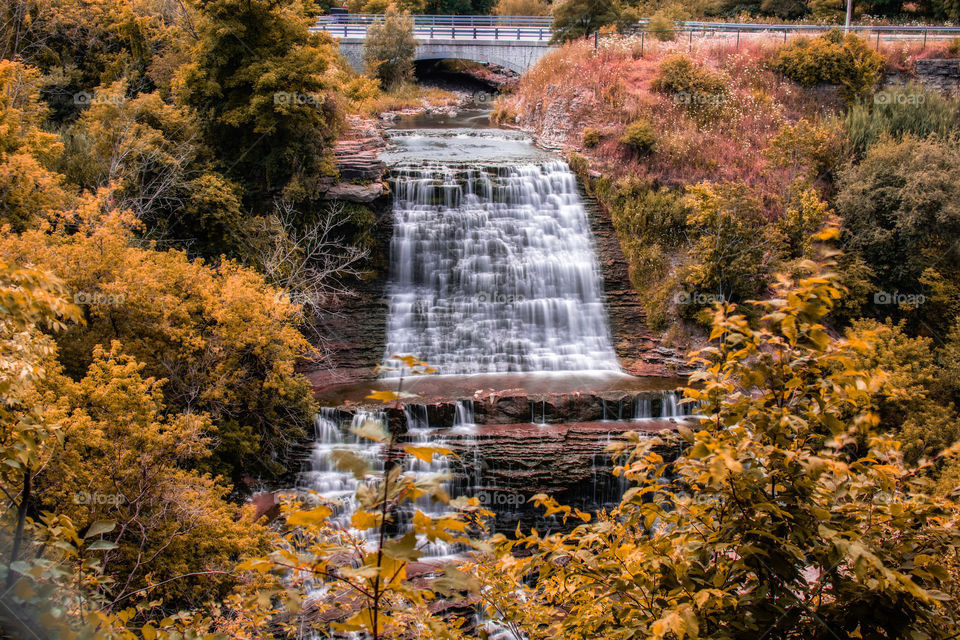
(444, 20)
(538, 28)
(453, 32)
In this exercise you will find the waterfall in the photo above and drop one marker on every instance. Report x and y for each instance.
(670, 406)
(323, 477)
(333, 432)
(494, 270)
(463, 414)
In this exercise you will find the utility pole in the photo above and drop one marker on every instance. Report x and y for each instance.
(846, 26)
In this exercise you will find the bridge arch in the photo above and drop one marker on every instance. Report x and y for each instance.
(513, 55)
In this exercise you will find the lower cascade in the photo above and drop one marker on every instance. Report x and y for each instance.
(493, 270)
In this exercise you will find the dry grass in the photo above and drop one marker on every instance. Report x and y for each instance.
(612, 86)
(408, 96)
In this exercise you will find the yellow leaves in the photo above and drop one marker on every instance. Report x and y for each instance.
(681, 622)
(426, 453)
(383, 396)
(363, 520)
(309, 518)
(255, 564)
(403, 549)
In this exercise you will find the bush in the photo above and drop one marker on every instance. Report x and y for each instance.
(578, 164)
(954, 47)
(784, 9)
(389, 49)
(680, 76)
(640, 136)
(590, 137)
(901, 111)
(521, 8)
(832, 58)
(662, 27)
(901, 213)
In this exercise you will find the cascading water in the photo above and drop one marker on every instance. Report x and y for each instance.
(323, 477)
(670, 407)
(493, 270)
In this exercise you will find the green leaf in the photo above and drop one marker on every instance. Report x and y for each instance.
(100, 527)
(101, 545)
(346, 460)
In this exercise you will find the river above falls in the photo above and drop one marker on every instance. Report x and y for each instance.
(465, 138)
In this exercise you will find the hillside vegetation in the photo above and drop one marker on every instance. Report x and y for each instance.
(166, 244)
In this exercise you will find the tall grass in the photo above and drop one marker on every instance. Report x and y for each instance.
(899, 111)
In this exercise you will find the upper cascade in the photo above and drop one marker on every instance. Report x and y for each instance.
(493, 269)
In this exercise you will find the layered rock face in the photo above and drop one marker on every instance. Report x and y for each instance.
(511, 447)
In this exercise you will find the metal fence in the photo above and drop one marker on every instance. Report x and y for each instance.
(538, 28)
(444, 20)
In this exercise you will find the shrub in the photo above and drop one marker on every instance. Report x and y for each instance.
(590, 137)
(521, 8)
(954, 47)
(640, 136)
(662, 27)
(679, 75)
(814, 148)
(389, 49)
(784, 9)
(901, 213)
(641, 211)
(832, 58)
(578, 164)
(901, 111)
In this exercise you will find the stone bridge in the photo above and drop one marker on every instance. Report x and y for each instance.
(515, 43)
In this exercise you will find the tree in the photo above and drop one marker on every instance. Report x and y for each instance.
(521, 8)
(149, 153)
(389, 49)
(29, 189)
(731, 255)
(225, 340)
(785, 515)
(259, 82)
(900, 212)
(32, 302)
(126, 460)
(573, 19)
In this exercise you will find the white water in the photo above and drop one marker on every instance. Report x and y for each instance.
(340, 486)
(670, 406)
(493, 270)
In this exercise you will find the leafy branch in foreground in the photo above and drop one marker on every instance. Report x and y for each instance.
(786, 516)
(355, 570)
